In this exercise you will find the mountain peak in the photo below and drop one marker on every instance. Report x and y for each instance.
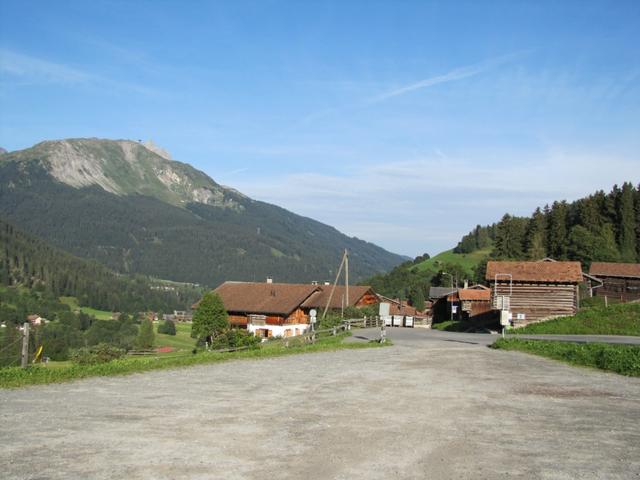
(150, 145)
(126, 167)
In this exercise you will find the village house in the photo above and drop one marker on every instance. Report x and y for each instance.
(534, 291)
(283, 309)
(36, 319)
(620, 281)
(178, 316)
(267, 309)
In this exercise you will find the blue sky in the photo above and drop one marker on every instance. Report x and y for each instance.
(403, 123)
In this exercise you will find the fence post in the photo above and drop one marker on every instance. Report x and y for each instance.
(333, 331)
(25, 345)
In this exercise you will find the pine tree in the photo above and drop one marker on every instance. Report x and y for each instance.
(534, 243)
(510, 234)
(626, 223)
(557, 230)
(210, 318)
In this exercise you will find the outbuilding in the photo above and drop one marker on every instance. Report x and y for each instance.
(534, 291)
(620, 281)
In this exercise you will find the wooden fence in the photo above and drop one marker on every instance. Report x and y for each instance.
(310, 336)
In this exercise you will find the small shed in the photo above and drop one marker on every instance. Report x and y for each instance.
(473, 303)
(534, 291)
(619, 280)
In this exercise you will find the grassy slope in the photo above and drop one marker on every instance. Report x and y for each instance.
(622, 359)
(17, 377)
(468, 261)
(621, 319)
(180, 341)
(73, 304)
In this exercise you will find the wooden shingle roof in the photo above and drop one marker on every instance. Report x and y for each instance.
(264, 298)
(474, 294)
(553, 272)
(319, 299)
(608, 269)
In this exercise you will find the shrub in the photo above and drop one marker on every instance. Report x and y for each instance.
(234, 338)
(146, 335)
(101, 353)
(167, 327)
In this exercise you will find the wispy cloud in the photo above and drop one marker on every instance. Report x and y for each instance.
(408, 206)
(28, 70)
(451, 76)
(27, 67)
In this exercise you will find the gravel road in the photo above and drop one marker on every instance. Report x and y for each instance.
(427, 407)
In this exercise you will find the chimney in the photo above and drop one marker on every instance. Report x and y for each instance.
(269, 280)
(466, 284)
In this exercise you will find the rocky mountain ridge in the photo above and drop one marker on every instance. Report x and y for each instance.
(135, 211)
(125, 167)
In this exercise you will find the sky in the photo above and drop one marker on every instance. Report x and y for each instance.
(402, 123)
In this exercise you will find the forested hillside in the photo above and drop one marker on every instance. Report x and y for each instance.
(600, 227)
(137, 212)
(31, 263)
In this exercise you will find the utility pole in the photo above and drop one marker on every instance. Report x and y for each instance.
(346, 275)
(445, 273)
(25, 345)
(343, 263)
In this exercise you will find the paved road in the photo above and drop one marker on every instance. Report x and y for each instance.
(422, 335)
(431, 406)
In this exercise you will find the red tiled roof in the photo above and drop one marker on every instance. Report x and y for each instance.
(474, 294)
(263, 298)
(320, 298)
(560, 272)
(607, 269)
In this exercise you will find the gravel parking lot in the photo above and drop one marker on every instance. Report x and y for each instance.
(427, 407)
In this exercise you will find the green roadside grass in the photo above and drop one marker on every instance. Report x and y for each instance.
(620, 319)
(621, 359)
(42, 374)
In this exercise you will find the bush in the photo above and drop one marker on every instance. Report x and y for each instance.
(234, 338)
(167, 327)
(101, 353)
(146, 335)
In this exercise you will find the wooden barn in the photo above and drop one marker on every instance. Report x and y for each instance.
(473, 303)
(267, 309)
(535, 291)
(620, 281)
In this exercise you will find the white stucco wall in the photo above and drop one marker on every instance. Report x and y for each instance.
(279, 330)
